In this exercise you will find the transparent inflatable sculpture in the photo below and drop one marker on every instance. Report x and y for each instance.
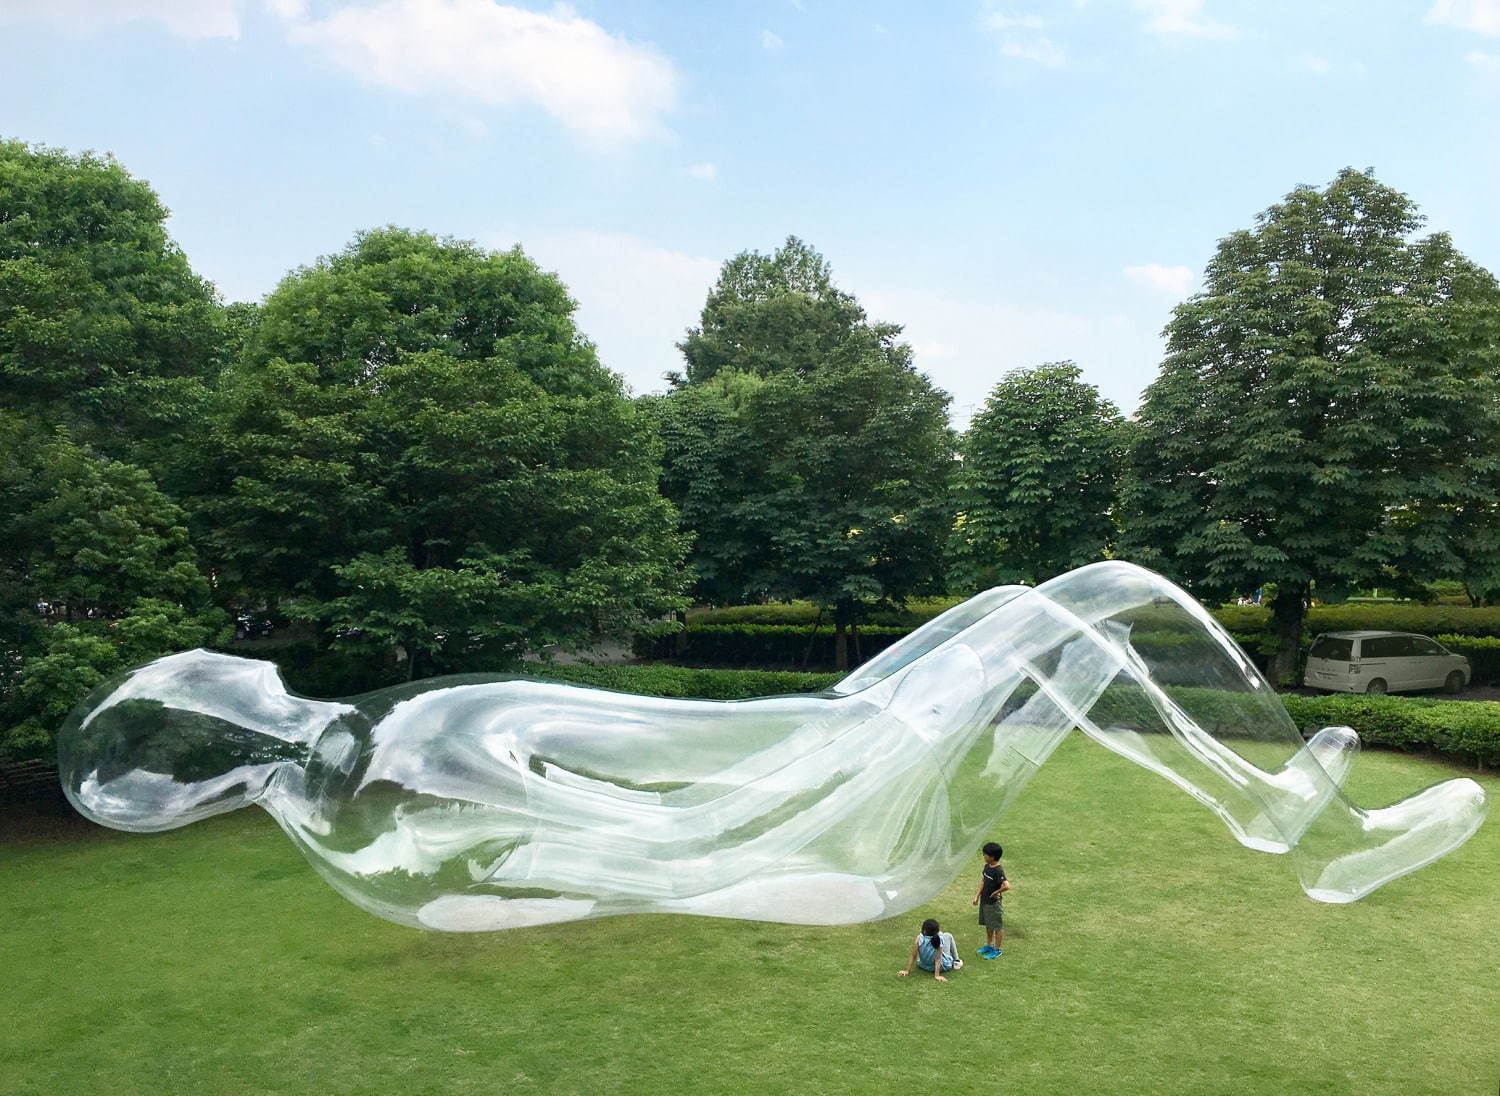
(475, 803)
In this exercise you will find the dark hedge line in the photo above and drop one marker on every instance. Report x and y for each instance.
(767, 644)
(1465, 729)
(1469, 731)
(686, 681)
(759, 644)
(1430, 620)
(1246, 619)
(803, 614)
(1483, 653)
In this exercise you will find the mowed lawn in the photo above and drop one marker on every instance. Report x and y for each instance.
(1146, 952)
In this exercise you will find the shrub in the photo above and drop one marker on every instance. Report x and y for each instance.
(1467, 729)
(684, 681)
(1483, 653)
(804, 614)
(767, 644)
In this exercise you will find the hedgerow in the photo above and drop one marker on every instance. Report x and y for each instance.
(1467, 730)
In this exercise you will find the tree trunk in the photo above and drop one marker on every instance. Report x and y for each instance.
(680, 640)
(859, 652)
(807, 654)
(840, 646)
(1288, 611)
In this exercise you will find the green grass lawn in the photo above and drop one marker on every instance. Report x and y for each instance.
(1146, 952)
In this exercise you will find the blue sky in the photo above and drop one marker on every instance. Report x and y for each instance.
(1016, 182)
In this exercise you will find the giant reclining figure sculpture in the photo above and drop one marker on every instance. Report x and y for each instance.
(475, 802)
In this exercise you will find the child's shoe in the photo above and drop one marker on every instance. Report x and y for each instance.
(993, 953)
(986, 952)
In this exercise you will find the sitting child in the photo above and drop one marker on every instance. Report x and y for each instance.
(934, 950)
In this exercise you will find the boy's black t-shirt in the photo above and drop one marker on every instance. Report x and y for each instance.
(994, 875)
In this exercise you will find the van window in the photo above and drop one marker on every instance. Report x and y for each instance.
(1385, 647)
(1420, 646)
(1339, 650)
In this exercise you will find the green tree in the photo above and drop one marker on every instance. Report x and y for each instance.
(807, 455)
(1324, 378)
(1035, 494)
(778, 313)
(104, 327)
(421, 449)
(96, 574)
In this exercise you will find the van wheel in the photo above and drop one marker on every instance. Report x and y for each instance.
(1454, 683)
(1376, 687)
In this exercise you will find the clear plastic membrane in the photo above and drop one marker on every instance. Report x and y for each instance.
(475, 803)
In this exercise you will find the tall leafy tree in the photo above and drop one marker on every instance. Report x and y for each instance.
(107, 343)
(104, 327)
(807, 454)
(96, 573)
(420, 449)
(1332, 370)
(1036, 491)
(778, 313)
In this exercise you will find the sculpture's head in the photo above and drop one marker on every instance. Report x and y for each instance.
(182, 738)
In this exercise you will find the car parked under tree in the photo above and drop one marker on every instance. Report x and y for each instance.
(1383, 662)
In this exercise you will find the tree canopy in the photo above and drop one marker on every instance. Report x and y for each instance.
(777, 313)
(1035, 494)
(420, 449)
(96, 573)
(1332, 369)
(104, 327)
(808, 456)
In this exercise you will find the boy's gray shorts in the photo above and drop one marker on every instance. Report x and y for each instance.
(991, 916)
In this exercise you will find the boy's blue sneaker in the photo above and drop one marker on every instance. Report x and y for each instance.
(994, 953)
(987, 952)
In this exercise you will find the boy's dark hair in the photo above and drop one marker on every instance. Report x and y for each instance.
(991, 849)
(930, 930)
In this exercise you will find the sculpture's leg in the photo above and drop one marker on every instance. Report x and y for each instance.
(1340, 851)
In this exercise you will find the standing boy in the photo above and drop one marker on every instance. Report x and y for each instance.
(992, 884)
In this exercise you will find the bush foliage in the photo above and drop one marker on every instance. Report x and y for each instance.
(1469, 730)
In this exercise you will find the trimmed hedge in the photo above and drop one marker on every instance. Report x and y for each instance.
(1246, 619)
(917, 612)
(1466, 729)
(782, 635)
(683, 681)
(767, 644)
(1483, 653)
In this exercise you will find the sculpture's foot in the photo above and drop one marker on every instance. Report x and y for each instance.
(1348, 852)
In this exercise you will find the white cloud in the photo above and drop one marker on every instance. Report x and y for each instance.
(1318, 66)
(934, 350)
(1041, 51)
(771, 42)
(966, 346)
(998, 20)
(1479, 16)
(635, 298)
(1182, 17)
(474, 127)
(602, 87)
(185, 18)
(1020, 38)
(1486, 63)
(1177, 280)
(705, 171)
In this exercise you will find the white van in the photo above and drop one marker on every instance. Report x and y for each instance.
(1383, 662)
